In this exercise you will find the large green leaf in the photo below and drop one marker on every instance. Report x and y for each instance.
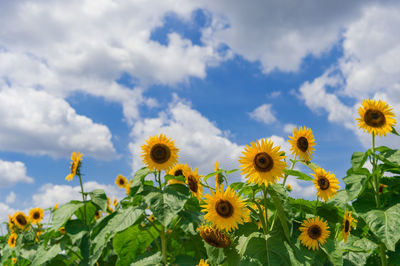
(393, 156)
(355, 184)
(62, 214)
(44, 255)
(333, 252)
(138, 180)
(357, 250)
(358, 159)
(385, 225)
(280, 200)
(300, 175)
(152, 260)
(98, 197)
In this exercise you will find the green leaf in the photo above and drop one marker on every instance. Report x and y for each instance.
(149, 261)
(138, 180)
(394, 131)
(227, 172)
(212, 174)
(185, 260)
(44, 255)
(391, 156)
(179, 178)
(358, 250)
(91, 209)
(279, 198)
(333, 252)
(300, 175)
(98, 197)
(63, 213)
(76, 230)
(385, 225)
(310, 165)
(358, 159)
(355, 185)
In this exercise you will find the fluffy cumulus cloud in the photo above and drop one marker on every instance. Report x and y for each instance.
(5, 210)
(12, 173)
(263, 114)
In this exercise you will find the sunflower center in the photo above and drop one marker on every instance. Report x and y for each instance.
(314, 231)
(21, 220)
(302, 144)
(323, 183)
(263, 162)
(160, 153)
(346, 226)
(224, 208)
(192, 184)
(374, 118)
(178, 172)
(12, 240)
(36, 215)
(121, 181)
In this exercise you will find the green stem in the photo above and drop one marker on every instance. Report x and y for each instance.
(266, 221)
(286, 175)
(316, 205)
(155, 239)
(163, 245)
(382, 250)
(375, 177)
(83, 198)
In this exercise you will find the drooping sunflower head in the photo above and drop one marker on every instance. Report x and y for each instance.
(193, 182)
(376, 117)
(214, 237)
(178, 170)
(159, 153)
(115, 202)
(11, 223)
(203, 262)
(36, 215)
(303, 143)
(225, 209)
(326, 183)
(121, 181)
(38, 234)
(314, 231)
(75, 165)
(20, 220)
(128, 187)
(12, 240)
(262, 162)
(219, 179)
(348, 222)
(97, 215)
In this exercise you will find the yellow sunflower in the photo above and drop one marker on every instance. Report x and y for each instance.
(36, 215)
(38, 234)
(115, 202)
(203, 262)
(219, 180)
(314, 230)
(159, 153)
(214, 237)
(55, 207)
(121, 181)
(326, 183)
(62, 230)
(152, 218)
(348, 222)
(75, 165)
(303, 143)
(128, 187)
(12, 240)
(20, 220)
(262, 162)
(178, 170)
(97, 215)
(14, 260)
(193, 182)
(225, 209)
(376, 117)
(11, 223)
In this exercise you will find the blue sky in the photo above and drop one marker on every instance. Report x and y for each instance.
(99, 77)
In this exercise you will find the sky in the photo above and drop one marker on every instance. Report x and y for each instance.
(101, 76)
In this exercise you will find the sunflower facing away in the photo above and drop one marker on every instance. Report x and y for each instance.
(159, 153)
(214, 237)
(75, 164)
(178, 170)
(202, 262)
(348, 222)
(314, 230)
(219, 179)
(225, 209)
(303, 143)
(12, 240)
(376, 117)
(262, 162)
(11, 222)
(20, 220)
(193, 182)
(326, 184)
(36, 215)
(121, 181)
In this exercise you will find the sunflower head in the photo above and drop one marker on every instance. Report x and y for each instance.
(202, 262)
(193, 182)
(36, 215)
(219, 179)
(225, 209)
(159, 153)
(303, 143)
(314, 231)
(14, 260)
(62, 230)
(11, 223)
(128, 187)
(75, 165)
(326, 183)
(20, 220)
(178, 170)
(121, 181)
(262, 162)
(38, 234)
(348, 222)
(97, 215)
(289, 187)
(376, 117)
(12, 240)
(115, 202)
(152, 218)
(214, 237)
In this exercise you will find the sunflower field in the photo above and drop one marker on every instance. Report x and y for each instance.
(173, 215)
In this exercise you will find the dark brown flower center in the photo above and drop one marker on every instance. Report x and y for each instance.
(160, 153)
(193, 186)
(263, 162)
(178, 172)
(21, 220)
(323, 182)
(121, 181)
(215, 238)
(224, 208)
(346, 226)
(12, 240)
(302, 144)
(314, 231)
(374, 118)
(36, 215)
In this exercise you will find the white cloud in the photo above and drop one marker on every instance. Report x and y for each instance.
(10, 198)
(12, 173)
(288, 128)
(5, 210)
(263, 114)
(301, 189)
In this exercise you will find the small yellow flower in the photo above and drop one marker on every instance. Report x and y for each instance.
(75, 165)
(214, 237)
(14, 260)
(128, 187)
(348, 222)
(36, 215)
(219, 180)
(152, 218)
(21, 220)
(55, 207)
(12, 240)
(121, 181)
(289, 187)
(115, 202)
(381, 187)
(97, 215)
(303, 143)
(38, 234)
(11, 223)
(62, 230)
(203, 262)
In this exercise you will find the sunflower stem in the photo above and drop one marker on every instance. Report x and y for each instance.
(266, 221)
(316, 205)
(83, 196)
(286, 175)
(374, 175)
(382, 250)
(163, 245)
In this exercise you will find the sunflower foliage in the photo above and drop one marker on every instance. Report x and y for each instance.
(173, 215)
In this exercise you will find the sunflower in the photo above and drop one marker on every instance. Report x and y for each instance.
(11, 223)
(348, 222)
(178, 170)
(159, 153)
(314, 230)
(381, 187)
(14, 260)
(12, 240)
(55, 207)
(128, 187)
(289, 187)
(193, 182)
(62, 230)
(262, 163)
(121, 181)
(20, 220)
(225, 209)
(115, 202)
(303, 143)
(219, 179)
(75, 165)
(214, 237)
(36, 215)
(326, 184)
(376, 117)
(97, 215)
(38, 234)
(152, 218)
(203, 263)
